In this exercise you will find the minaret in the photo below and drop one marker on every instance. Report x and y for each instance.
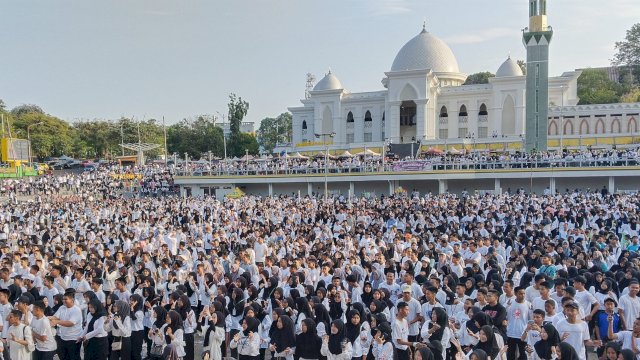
(536, 39)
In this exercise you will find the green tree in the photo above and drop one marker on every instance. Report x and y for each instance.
(26, 108)
(632, 96)
(595, 87)
(195, 137)
(244, 142)
(523, 66)
(238, 109)
(628, 50)
(479, 78)
(3, 106)
(274, 130)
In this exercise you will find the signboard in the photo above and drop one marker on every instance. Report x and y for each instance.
(15, 149)
(414, 165)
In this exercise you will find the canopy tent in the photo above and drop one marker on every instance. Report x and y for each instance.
(434, 151)
(299, 156)
(346, 154)
(367, 152)
(322, 155)
(455, 151)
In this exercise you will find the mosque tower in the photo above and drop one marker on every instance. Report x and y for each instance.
(536, 39)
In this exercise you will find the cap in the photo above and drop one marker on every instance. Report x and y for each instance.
(572, 304)
(406, 288)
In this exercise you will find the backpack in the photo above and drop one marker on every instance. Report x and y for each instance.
(30, 345)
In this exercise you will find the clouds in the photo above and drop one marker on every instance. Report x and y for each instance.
(388, 7)
(479, 36)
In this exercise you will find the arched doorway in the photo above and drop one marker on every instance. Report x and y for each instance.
(508, 116)
(408, 111)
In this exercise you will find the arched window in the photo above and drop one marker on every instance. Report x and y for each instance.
(632, 126)
(600, 127)
(553, 128)
(568, 127)
(304, 124)
(443, 111)
(584, 127)
(367, 116)
(463, 111)
(615, 126)
(483, 110)
(350, 117)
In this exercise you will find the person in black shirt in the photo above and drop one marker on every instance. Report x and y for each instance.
(496, 311)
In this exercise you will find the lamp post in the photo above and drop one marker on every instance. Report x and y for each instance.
(385, 143)
(29, 139)
(326, 160)
(186, 163)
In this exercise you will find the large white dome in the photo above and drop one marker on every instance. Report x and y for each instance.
(328, 82)
(509, 68)
(425, 51)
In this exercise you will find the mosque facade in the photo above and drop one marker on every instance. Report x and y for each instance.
(424, 100)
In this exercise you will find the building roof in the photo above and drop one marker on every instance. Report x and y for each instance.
(328, 82)
(509, 68)
(425, 51)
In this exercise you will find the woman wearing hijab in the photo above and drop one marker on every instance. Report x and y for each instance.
(156, 332)
(567, 352)
(357, 333)
(236, 312)
(248, 340)
(189, 325)
(308, 343)
(119, 325)
(303, 312)
(336, 346)
(283, 338)
(549, 339)
(173, 336)
(322, 319)
(367, 294)
(96, 345)
(438, 328)
(215, 336)
(137, 328)
(625, 354)
(487, 342)
(382, 348)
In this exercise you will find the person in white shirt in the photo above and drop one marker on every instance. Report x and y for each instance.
(174, 335)
(137, 327)
(94, 335)
(248, 340)
(20, 339)
(575, 331)
(629, 304)
(43, 334)
(68, 318)
(119, 324)
(517, 319)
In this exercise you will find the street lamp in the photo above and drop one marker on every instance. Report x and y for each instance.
(29, 139)
(326, 159)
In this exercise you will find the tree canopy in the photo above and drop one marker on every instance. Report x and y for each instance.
(595, 87)
(274, 130)
(479, 78)
(628, 50)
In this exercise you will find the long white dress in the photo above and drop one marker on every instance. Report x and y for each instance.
(216, 338)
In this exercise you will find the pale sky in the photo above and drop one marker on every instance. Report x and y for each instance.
(85, 59)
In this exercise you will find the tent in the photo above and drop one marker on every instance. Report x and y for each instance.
(434, 151)
(368, 152)
(346, 154)
(299, 156)
(455, 151)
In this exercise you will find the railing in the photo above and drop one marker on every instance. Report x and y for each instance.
(368, 124)
(463, 119)
(423, 166)
(483, 118)
(350, 125)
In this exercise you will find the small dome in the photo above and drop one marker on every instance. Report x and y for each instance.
(509, 68)
(425, 51)
(328, 82)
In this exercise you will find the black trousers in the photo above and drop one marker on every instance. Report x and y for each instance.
(124, 353)
(68, 350)
(189, 341)
(43, 355)
(96, 348)
(137, 337)
(147, 340)
(402, 354)
(518, 344)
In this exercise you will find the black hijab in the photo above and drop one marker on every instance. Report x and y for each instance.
(352, 331)
(542, 347)
(490, 347)
(308, 343)
(337, 340)
(285, 337)
(442, 319)
(567, 352)
(252, 325)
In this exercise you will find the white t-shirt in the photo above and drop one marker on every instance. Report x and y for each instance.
(73, 314)
(626, 337)
(631, 308)
(43, 327)
(400, 331)
(578, 333)
(517, 317)
(585, 299)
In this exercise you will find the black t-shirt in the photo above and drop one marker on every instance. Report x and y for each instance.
(498, 315)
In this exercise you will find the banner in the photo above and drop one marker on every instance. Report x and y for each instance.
(413, 165)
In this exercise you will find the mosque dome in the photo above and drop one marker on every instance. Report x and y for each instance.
(328, 82)
(509, 68)
(425, 51)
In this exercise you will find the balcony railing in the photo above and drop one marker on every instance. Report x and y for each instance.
(463, 119)
(438, 164)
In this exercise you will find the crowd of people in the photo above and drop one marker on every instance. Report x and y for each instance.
(91, 273)
(300, 164)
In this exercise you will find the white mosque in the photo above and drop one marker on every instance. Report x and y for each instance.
(424, 100)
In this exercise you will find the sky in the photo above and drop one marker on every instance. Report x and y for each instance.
(103, 59)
